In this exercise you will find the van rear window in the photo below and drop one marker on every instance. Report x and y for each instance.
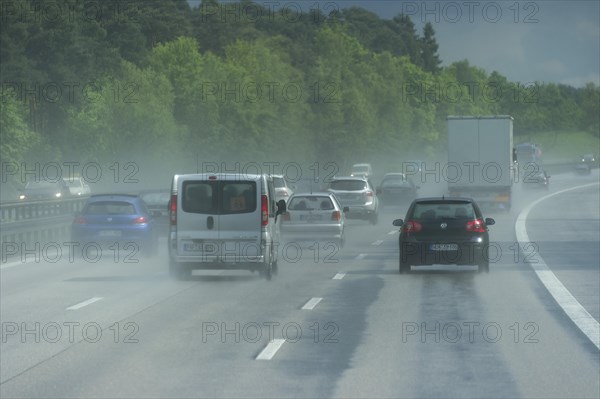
(219, 197)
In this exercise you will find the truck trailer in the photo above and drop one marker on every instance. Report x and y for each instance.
(480, 159)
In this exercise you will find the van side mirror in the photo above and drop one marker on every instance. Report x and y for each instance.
(489, 221)
(281, 207)
(398, 222)
(346, 209)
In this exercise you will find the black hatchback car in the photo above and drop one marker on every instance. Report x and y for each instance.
(444, 231)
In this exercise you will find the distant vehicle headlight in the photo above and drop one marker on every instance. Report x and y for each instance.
(57, 195)
(22, 196)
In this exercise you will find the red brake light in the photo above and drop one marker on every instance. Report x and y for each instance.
(336, 215)
(369, 193)
(475, 226)
(140, 220)
(173, 210)
(412, 226)
(285, 216)
(80, 220)
(264, 205)
(212, 177)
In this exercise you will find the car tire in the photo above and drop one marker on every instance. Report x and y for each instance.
(483, 266)
(179, 271)
(266, 270)
(374, 218)
(404, 267)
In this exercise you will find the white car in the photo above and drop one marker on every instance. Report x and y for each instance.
(77, 186)
(282, 190)
(362, 170)
(314, 217)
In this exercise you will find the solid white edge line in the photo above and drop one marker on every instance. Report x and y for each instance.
(571, 306)
(339, 276)
(84, 303)
(312, 302)
(393, 232)
(270, 350)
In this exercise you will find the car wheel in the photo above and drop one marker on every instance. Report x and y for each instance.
(404, 266)
(374, 218)
(179, 271)
(267, 270)
(483, 266)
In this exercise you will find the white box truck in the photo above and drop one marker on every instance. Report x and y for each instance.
(480, 159)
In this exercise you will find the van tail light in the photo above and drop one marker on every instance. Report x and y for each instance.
(369, 194)
(285, 217)
(140, 220)
(412, 226)
(476, 226)
(336, 215)
(264, 206)
(80, 220)
(173, 210)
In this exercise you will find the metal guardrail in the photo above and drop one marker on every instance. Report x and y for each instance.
(13, 213)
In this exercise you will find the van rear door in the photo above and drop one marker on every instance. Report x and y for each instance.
(198, 229)
(222, 220)
(240, 220)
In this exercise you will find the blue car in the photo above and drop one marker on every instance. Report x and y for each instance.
(114, 221)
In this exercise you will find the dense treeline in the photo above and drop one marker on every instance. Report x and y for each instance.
(148, 79)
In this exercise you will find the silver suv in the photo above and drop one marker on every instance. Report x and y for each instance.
(356, 193)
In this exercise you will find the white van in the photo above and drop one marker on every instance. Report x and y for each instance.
(223, 221)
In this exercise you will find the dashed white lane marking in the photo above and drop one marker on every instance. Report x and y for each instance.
(393, 232)
(310, 305)
(576, 312)
(378, 242)
(270, 350)
(84, 303)
(360, 256)
(339, 276)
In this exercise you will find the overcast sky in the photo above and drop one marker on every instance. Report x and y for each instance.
(526, 41)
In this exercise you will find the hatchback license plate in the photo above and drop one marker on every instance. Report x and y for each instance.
(110, 233)
(310, 218)
(443, 247)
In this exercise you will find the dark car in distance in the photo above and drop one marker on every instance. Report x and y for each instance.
(41, 190)
(444, 231)
(116, 222)
(157, 202)
(396, 189)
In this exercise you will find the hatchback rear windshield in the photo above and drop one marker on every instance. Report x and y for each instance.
(110, 208)
(310, 203)
(219, 197)
(443, 210)
(348, 185)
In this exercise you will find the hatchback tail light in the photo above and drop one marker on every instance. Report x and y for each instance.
(336, 215)
(140, 220)
(173, 210)
(412, 226)
(476, 226)
(264, 205)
